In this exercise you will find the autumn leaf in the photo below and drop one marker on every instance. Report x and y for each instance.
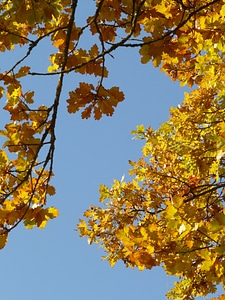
(23, 71)
(51, 190)
(3, 238)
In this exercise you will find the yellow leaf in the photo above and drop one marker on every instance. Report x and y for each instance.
(30, 223)
(94, 51)
(23, 71)
(143, 233)
(3, 158)
(189, 243)
(29, 97)
(53, 68)
(3, 238)
(1, 91)
(58, 42)
(170, 211)
(52, 212)
(50, 190)
(222, 11)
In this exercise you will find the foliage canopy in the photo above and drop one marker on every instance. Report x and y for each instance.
(171, 213)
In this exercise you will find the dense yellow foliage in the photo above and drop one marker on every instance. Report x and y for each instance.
(171, 213)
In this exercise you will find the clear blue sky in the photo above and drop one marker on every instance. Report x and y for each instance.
(54, 263)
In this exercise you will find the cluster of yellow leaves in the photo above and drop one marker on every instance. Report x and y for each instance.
(28, 150)
(184, 45)
(24, 182)
(99, 100)
(19, 20)
(172, 212)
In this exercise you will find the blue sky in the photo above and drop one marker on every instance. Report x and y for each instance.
(55, 263)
